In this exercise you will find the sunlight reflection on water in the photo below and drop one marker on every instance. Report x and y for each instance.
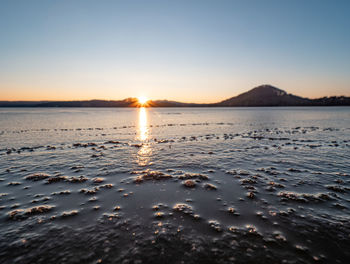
(145, 152)
(143, 130)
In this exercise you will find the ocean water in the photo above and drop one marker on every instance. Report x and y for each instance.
(176, 185)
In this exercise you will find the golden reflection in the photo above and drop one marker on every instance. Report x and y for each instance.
(144, 155)
(145, 152)
(143, 130)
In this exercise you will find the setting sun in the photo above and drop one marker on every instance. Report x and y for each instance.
(142, 100)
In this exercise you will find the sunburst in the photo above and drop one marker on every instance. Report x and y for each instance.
(142, 100)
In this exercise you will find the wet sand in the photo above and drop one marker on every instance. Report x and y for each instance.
(155, 191)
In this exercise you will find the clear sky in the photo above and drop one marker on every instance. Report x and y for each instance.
(185, 50)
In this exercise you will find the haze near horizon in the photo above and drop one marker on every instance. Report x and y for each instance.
(189, 51)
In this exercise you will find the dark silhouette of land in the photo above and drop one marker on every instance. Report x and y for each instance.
(264, 95)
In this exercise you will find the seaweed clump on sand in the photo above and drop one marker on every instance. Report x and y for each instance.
(304, 197)
(89, 191)
(55, 179)
(183, 208)
(191, 176)
(97, 180)
(210, 186)
(20, 214)
(37, 176)
(189, 183)
(69, 213)
(148, 175)
(79, 179)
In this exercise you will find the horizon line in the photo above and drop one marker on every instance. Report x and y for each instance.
(153, 100)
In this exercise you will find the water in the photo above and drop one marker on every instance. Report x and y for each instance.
(215, 185)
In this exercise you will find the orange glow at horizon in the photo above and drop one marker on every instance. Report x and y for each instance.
(142, 100)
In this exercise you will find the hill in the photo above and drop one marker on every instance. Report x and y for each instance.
(265, 95)
(268, 95)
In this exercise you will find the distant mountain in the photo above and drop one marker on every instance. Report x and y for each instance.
(268, 95)
(264, 95)
(129, 102)
(21, 103)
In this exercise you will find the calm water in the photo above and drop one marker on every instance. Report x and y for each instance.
(181, 185)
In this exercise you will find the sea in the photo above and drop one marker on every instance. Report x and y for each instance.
(175, 185)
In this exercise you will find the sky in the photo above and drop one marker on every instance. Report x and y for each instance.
(183, 50)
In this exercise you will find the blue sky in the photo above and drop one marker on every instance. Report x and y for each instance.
(201, 51)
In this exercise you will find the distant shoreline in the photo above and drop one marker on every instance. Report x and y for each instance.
(202, 106)
(261, 96)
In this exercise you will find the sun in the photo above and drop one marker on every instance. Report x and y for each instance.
(142, 100)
